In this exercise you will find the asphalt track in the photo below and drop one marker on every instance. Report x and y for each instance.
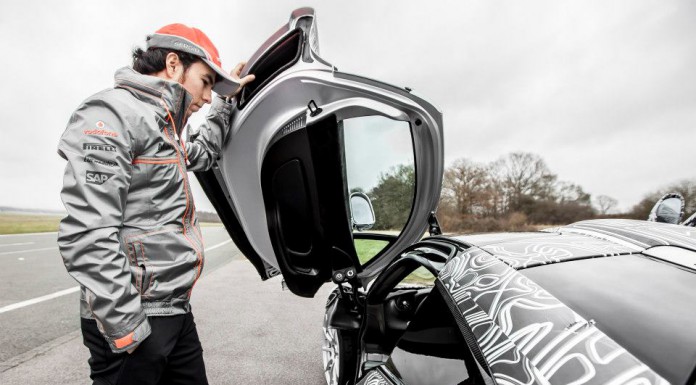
(251, 331)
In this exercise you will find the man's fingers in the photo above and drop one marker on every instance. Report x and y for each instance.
(238, 69)
(246, 80)
(242, 81)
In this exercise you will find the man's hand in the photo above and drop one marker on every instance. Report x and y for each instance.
(243, 81)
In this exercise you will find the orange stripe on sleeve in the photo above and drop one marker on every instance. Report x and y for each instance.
(124, 341)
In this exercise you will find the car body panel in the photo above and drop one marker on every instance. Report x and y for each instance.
(529, 251)
(376, 377)
(639, 233)
(645, 305)
(552, 307)
(302, 96)
(527, 335)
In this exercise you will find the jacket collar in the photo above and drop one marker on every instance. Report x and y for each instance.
(164, 95)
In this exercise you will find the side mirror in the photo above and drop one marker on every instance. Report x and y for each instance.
(669, 209)
(362, 215)
(690, 221)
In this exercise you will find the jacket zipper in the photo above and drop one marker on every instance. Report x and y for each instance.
(186, 191)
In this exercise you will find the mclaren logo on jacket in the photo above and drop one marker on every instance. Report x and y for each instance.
(95, 177)
(107, 163)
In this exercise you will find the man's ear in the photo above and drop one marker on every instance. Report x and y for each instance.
(174, 67)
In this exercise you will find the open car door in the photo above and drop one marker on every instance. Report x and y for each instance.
(281, 186)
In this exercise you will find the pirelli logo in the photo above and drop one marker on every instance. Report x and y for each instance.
(99, 147)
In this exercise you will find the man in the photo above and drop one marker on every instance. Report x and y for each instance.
(131, 237)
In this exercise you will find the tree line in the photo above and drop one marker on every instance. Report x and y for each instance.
(514, 193)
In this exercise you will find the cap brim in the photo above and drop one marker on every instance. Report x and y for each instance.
(225, 85)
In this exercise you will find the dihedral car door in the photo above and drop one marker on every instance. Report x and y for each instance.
(280, 185)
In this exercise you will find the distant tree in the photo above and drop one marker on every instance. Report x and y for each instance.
(392, 198)
(466, 187)
(642, 209)
(525, 177)
(605, 204)
(571, 192)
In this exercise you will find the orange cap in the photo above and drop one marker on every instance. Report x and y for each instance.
(191, 40)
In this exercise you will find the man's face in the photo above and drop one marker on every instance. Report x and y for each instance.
(198, 80)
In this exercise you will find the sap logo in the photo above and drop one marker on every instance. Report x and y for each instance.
(95, 177)
(98, 147)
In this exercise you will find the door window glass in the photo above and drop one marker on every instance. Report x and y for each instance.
(368, 248)
(419, 277)
(432, 351)
(380, 163)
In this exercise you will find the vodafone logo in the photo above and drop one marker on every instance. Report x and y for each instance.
(100, 133)
(100, 130)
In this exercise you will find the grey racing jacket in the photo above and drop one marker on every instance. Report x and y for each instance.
(131, 237)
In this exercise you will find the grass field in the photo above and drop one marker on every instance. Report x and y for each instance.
(368, 248)
(28, 223)
(210, 224)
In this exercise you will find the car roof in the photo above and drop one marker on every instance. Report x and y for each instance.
(608, 271)
(645, 305)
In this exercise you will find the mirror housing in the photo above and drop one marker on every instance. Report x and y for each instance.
(668, 209)
(362, 215)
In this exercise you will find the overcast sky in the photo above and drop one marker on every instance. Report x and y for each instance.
(604, 91)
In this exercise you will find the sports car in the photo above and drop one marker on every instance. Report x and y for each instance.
(331, 176)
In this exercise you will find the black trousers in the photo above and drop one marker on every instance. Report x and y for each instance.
(172, 354)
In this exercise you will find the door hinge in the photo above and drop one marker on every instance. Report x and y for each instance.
(314, 110)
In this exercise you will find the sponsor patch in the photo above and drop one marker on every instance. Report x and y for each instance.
(164, 146)
(101, 133)
(98, 147)
(100, 124)
(107, 163)
(96, 177)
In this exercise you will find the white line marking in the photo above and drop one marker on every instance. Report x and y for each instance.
(27, 234)
(218, 245)
(27, 251)
(71, 290)
(18, 244)
(32, 301)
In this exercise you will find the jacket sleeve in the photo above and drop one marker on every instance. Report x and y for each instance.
(99, 151)
(204, 150)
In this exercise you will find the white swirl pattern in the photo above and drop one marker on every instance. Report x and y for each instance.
(641, 233)
(526, 334)
(374, 378)
(524, 253)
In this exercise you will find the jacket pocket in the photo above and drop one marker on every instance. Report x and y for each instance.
(143, 276)
(164, 263)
